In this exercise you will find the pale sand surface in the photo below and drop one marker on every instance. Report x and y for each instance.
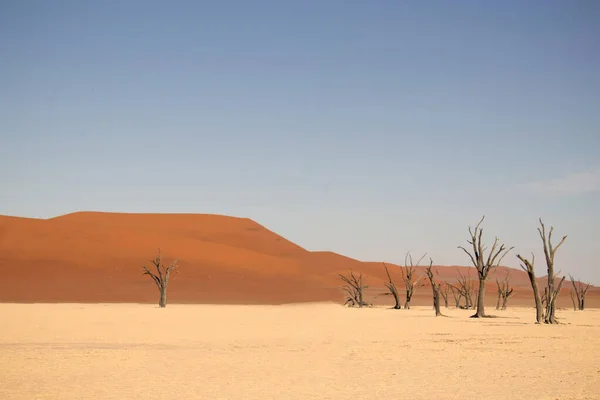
(311, 351)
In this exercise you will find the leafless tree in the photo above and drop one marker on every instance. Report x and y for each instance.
(464, 288)
(392, 289)
(573, 299)
(552, 289)
(505, 292)
(444, 292)
(545, 304)
(354, 287)
(160, 277)
(408, 276)
(456, 294)
(435, 287)
(482, 263)
(578, 292)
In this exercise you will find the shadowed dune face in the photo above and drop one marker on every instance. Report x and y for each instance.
(97, 257)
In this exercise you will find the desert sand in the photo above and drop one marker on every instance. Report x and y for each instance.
(308, 351)
(96, 257)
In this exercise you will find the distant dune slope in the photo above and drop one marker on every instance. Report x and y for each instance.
(97, 257)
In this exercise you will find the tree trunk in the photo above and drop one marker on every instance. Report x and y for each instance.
(538, 302)
(539, 313)
(360, 299)
(480, 300)
(498, 301)
(397, 306)
(582, 303)
(163, 297)
(550, 314)
(436, 302)
(408, 299)
(551, 301)
(504, 301)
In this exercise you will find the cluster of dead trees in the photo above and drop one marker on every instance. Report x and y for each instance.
(545, 304)
(463, 289)
(354, 286)
(411, 282)
(484, 260)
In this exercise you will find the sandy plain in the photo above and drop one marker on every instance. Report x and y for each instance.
(303, 351)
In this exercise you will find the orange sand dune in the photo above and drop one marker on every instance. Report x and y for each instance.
(97, 257)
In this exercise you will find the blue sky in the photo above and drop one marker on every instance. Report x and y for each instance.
(369, 128)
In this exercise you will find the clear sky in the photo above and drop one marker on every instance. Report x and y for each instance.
(368, 128)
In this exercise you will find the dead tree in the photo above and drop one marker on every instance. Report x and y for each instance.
(504, 292)
(160, 277)
(410, 282)
(573, 300)
(435, 288)
(444, 292)
(580, 290)
(392, 289)
(527, 266)
(456, 294)
(552, 289)
(354, 287)
(464, 288)
(545, 304)
(482, 264)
